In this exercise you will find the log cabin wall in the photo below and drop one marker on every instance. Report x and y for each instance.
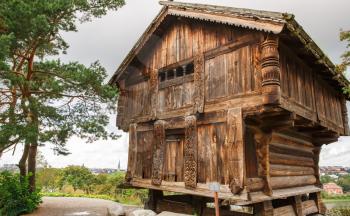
(307, 94)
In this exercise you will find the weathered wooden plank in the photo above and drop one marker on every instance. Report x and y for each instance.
(284, 211)
(297, 205)
(285, 159)
(158, 152)
(190, 152)
(179, 187)
(292, 181)
(180, 161)
(286, 170)
(132, 152)
(235, 142)
(309, 207)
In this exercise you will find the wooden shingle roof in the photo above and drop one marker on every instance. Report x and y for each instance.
(272, 22)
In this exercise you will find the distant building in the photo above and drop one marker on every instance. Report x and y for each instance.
(332, 188)
(10, 167)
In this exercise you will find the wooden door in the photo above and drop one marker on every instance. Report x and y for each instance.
(174, 158)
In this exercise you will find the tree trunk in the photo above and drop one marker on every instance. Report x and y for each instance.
(23, 161)
(32, 165)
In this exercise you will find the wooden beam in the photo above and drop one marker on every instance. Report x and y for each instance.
(190, 152)
(158, 152)
(132, 152)
(298, 205)
(235, 136)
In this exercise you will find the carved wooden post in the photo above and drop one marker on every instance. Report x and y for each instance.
(235, 141)
(263, 153)
(153, 83)
(317, 151)
(190, 151)
(132, 152)
(158, 152)
(345, 118)
(270, 69)
(199, 83)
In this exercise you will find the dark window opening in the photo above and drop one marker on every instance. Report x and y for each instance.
(176, 72)
(170, 74)
(189, 68)
(162, 76)
(179, 72)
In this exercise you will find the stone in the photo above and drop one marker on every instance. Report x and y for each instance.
(115, 210)
(142, 212)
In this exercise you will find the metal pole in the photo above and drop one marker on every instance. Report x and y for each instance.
(216, 198)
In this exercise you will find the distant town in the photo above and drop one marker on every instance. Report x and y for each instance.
(96, 171)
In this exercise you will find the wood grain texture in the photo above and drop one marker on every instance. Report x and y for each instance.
(235, 134)
(158, 152)
(190, 152)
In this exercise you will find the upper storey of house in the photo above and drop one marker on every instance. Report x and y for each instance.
(196, 58)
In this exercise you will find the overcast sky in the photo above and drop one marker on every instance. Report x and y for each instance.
(110, 38)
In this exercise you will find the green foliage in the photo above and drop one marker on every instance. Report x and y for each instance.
(344, 182)
(56, 182)
(48, 101)
(48, 179)
(15, 197)
(326, 179)
(79, 177)
(338, 212)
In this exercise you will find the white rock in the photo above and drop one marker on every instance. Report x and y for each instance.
(115, 210)
(142, 212)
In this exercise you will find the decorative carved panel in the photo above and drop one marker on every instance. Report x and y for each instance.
(190, 151)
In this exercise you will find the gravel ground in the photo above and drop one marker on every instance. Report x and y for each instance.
(67, 206)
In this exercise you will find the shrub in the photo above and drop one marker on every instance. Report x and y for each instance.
(15, 197)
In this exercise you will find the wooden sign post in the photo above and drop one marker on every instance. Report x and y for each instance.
(215, 187)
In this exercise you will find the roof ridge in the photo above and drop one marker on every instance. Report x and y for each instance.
(227, 9)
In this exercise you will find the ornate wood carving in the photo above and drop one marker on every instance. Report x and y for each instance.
(235, 142)
(158, 152)
(199, 83)
(132, 152)
(153, 82)
(345, 118)
(263, 153)
(190, 152)
(270, 69)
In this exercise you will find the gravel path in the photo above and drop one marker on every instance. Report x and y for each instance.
(69, 206)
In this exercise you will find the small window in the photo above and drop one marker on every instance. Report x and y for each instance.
(170, 74)
(162, 76)
(177, 71)
(189, 68)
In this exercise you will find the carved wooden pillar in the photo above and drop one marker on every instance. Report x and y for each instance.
(153, 82)
(190, 152)
(345, 118)
(270, 69)
(198, 83)
(263, 152)
(158, 152)
(132, 152)
(317, 150)
(235, 142)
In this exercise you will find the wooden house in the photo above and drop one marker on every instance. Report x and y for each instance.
(240, 97)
